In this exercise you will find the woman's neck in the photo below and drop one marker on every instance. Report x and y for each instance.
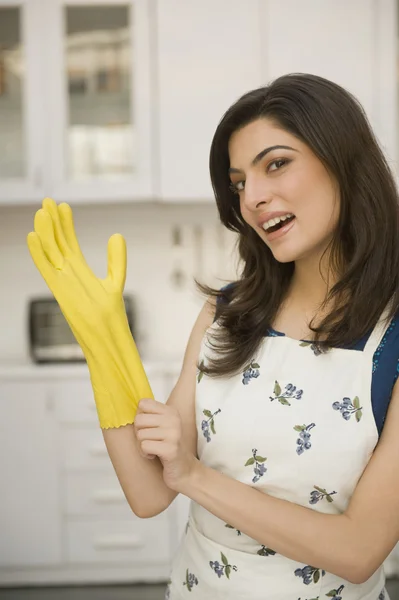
(311, 282)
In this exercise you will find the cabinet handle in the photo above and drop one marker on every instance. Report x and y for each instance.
(117, 542)
(108, 496)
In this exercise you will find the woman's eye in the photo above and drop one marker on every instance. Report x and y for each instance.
(277, 163)
(237, 187)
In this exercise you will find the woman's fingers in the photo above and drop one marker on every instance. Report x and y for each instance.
(143, 421)
(152, 433)
(147, 405)
(153, 448)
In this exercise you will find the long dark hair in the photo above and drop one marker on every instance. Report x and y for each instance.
(365, 247)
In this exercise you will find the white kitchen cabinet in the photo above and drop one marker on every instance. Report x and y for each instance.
(120, 103)
(208, 55)
(352, 43)
(63, 515)
(30, 521)
(22, 115)
(99, 76)
(76, 100)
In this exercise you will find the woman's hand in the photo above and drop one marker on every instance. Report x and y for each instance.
(159, 432)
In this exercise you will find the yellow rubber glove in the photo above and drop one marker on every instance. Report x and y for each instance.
(95, 311)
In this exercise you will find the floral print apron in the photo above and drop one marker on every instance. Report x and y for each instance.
(297, 425)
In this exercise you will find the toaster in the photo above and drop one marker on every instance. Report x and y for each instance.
(50, 337)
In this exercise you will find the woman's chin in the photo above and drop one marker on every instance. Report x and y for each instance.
(286, 255)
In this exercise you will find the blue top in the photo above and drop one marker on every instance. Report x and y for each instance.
(385, 364)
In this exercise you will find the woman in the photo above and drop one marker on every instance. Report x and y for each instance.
(282, 427)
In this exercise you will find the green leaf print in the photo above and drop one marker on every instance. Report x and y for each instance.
(224, 568)
(224, 559)
(304, 344)
(265, 551)
(290, 393)
(255, 365)
(259, 468)
(284, 402)
(191, 580)
(348, 408)
(231, 527)
(316, 576)
(319, 494)
(338, 592)
(208, 424)
(299, 427)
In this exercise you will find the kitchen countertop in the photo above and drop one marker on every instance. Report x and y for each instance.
(30, 370)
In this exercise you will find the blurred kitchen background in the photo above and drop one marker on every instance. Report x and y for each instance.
(111, 106)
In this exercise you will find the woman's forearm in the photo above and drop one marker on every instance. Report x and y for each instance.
(320, 540)
(140, 478)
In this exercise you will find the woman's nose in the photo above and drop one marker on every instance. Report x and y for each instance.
(257, 192)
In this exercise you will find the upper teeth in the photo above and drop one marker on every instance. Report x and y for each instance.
(276, 220)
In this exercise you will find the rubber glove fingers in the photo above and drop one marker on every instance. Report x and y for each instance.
(67, 223)
(117, 259)
(52, 209)
(39, 257)
(44, 227)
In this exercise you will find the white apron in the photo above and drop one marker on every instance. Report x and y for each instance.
(299, 426)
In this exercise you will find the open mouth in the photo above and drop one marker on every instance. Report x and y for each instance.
(281, 222)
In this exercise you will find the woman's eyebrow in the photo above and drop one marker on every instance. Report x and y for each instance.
(261, 154)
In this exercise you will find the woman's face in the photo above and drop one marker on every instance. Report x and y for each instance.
(286, 194)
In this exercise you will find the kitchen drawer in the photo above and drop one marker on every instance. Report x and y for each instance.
(83, 449)
(94, 495)
(136, 541)
(75, 403)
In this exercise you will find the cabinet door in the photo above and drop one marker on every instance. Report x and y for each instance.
(99, 83)
(29, 501)
(208, 55)
(21, 102)
(351, 43)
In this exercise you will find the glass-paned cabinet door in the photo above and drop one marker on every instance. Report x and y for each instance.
(101, 100)
(21, 107)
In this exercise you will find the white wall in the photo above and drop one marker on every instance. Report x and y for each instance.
(165, 313)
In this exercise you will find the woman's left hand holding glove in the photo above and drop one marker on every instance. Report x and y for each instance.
(160, 433)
